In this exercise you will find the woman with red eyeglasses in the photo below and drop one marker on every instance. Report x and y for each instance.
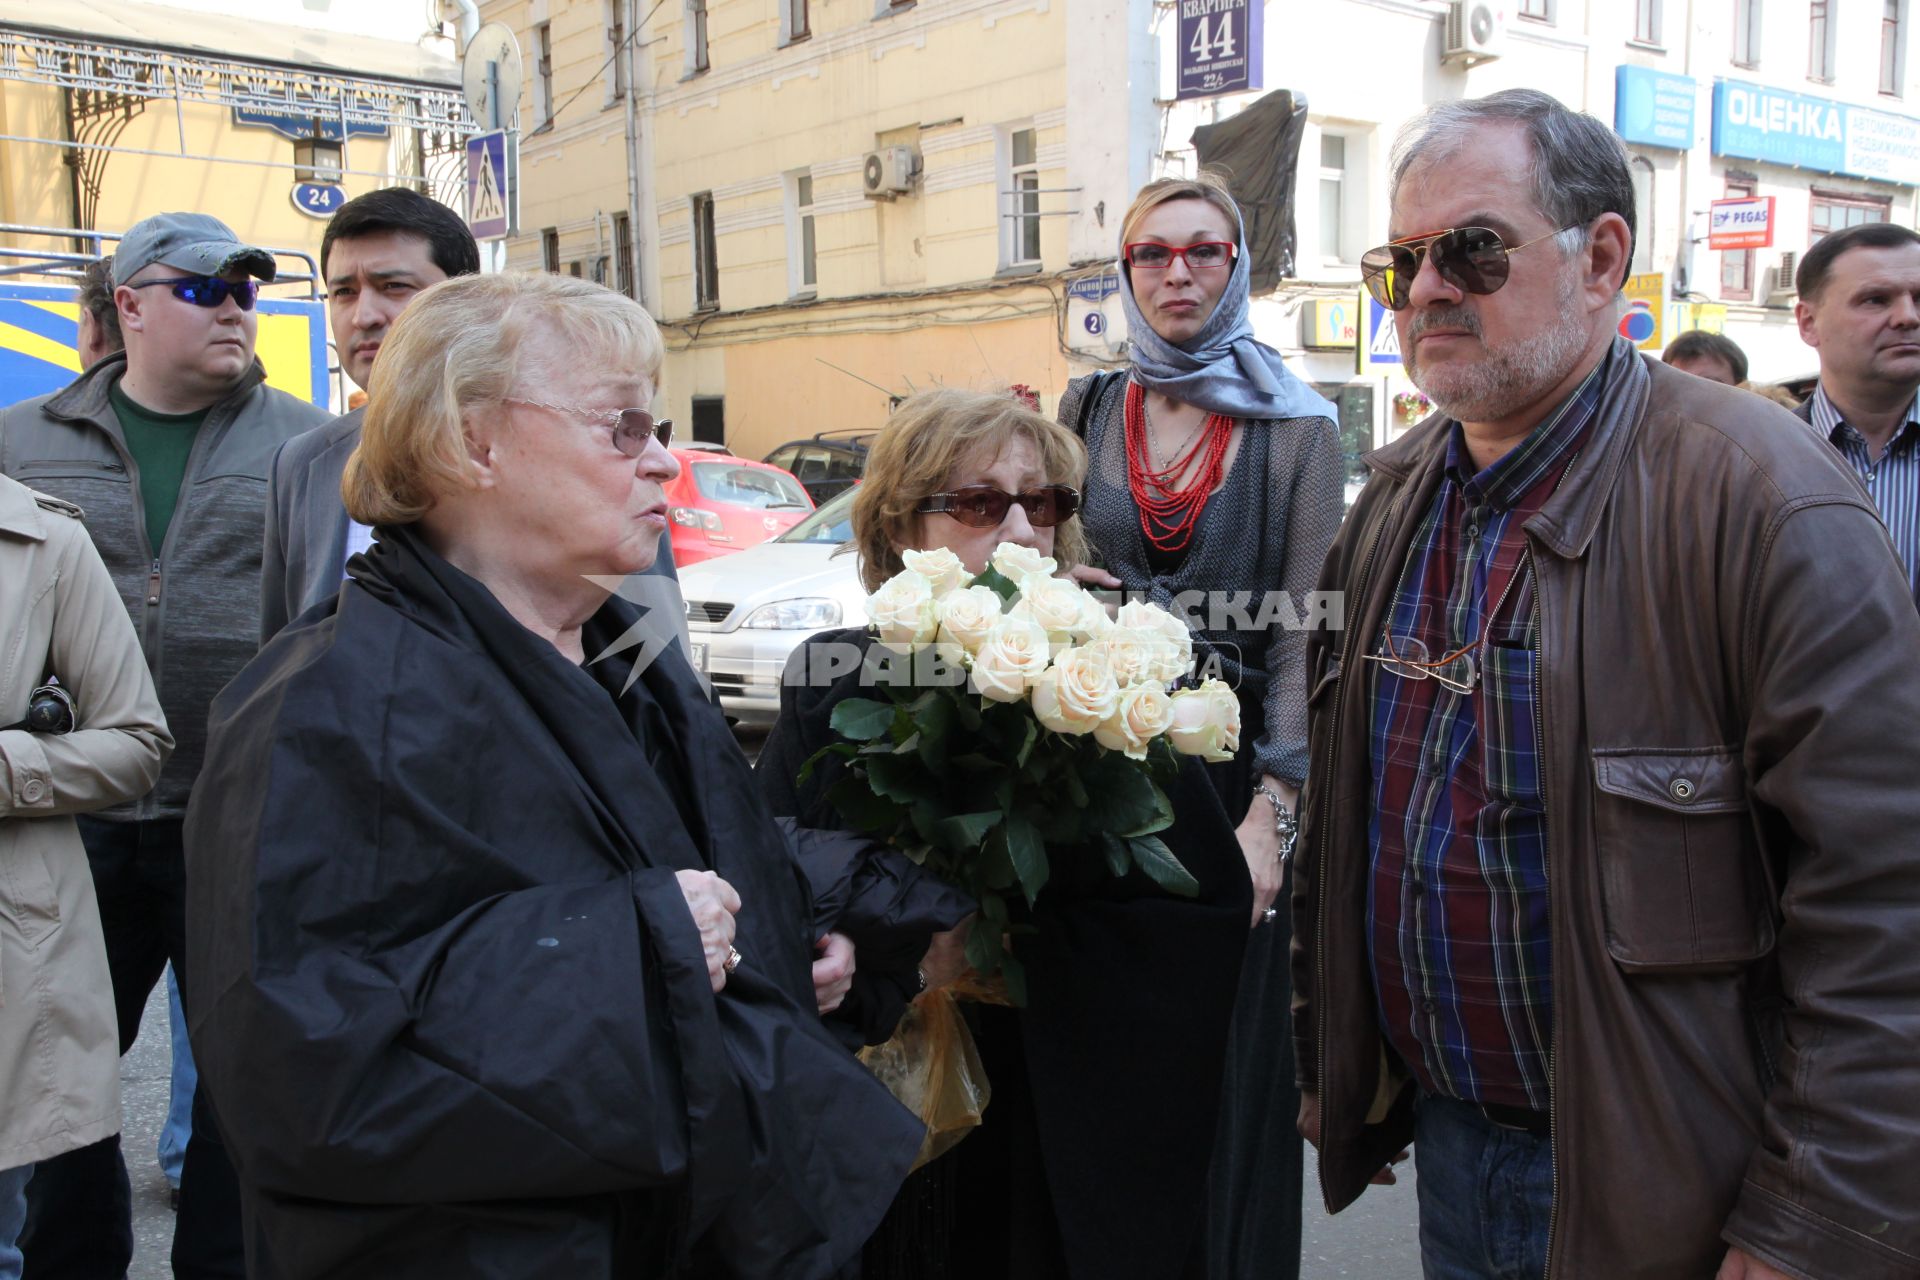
(1214, 489)
(1091, 1161)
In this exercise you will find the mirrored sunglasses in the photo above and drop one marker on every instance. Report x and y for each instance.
(981, 506)
(208, 291)
(1473, 259)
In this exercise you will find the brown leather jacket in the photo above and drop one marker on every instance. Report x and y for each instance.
(1730, 679)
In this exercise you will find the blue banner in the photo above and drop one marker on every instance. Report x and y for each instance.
(301, 127)
(1756, 122)
(1653, 108)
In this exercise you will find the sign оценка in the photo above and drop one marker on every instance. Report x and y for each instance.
(1219, 47)
(1758, 122)
(1742, 223)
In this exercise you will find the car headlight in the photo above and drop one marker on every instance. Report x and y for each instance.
(795, 615)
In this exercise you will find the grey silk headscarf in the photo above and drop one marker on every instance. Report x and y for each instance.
(1223, 368)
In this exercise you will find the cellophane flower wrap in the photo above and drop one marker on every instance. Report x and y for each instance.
(1014, 722)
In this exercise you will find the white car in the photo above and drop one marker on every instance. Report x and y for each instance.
(747, 612)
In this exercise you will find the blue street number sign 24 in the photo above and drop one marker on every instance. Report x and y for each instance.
(318, 199)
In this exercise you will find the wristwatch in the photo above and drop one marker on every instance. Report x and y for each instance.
(1286, 824)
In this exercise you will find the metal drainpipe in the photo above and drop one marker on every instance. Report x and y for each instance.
(634, 230)
(468, 21)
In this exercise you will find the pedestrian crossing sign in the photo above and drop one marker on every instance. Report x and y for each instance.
(1380, 351)
(492, 185)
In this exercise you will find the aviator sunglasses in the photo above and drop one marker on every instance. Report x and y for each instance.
(207, 291)
(631, 428)
(1471, 258)
(981, 506)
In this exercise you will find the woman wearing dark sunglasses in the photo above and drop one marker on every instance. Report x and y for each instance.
(1092, 1158)
(1216, 471)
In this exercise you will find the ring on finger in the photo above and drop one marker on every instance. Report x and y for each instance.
(733, 960)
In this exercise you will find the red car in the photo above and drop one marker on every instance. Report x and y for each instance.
(721, 504)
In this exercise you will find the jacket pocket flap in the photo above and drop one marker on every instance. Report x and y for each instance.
(1709, 781)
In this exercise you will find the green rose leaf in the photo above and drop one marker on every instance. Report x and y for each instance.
(1152, 856)
(1119, 857)
(900, 777)
(935, 722)
(843, 750)
(862, 719)
(858, 804)
(1028, 854)
(964, 832)
(1002, 585)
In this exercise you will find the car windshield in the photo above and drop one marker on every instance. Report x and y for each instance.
(832, 523)
(739, 486)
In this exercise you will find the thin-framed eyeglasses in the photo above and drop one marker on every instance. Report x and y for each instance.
(1474, 259)
(1407, 658)
(983, 506)
(631, 428)
(207, 291)
(1203, 255)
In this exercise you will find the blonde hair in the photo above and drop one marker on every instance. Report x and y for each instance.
(1209, 186)
(463, 344)
(920, 448)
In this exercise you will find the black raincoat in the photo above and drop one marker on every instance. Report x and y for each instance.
(445, 993)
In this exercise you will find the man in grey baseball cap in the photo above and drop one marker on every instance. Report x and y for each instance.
(166, 446)
(193, 242)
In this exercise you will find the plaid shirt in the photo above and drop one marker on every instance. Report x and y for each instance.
(1457, 895)
(1893, 479)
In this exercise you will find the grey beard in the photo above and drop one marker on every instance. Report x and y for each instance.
(1508, 378)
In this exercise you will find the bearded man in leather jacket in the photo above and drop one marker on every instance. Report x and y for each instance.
(1607, 881)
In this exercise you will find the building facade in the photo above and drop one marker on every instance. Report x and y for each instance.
(832, 203)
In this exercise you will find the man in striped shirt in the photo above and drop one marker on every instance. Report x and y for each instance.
(1860, 308)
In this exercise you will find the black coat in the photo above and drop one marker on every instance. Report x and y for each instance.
(1129, 995)
(446, 996)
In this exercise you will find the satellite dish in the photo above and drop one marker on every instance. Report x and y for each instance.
(492, 65)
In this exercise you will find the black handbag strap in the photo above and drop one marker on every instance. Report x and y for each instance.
(1097, 385)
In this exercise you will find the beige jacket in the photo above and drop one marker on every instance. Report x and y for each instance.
(59, 613)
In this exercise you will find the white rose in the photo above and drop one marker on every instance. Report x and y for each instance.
(1176, 658)
(1206, 722)
(1076, 693)
(967, 615)
(1135, 656)
(1143, 714)
(1017, 563)
(902, 610)
(939, 566)
(1058, 606)
(1010, 659)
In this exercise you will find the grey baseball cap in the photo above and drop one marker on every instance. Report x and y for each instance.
(192, 242)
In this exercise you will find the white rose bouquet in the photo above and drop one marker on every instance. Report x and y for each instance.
(1042, 731)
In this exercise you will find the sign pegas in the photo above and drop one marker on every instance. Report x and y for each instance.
(1742, 223)
(1757, 122)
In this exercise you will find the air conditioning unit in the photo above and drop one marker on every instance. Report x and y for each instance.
(887, 172)
(1780, 287)
(1476, 32)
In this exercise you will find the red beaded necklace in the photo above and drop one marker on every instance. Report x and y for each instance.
(1167, 514)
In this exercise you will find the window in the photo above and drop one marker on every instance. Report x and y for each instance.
(616, 50)
(1892, 55)
(793, 21)
(1333, 181)
(543, 72)
(1837, 210)
(623, 254)
(550, 250)
(1646, 21)
(696, 37)
(710, 419)
(1820, 40)
(1020, 196)
(802, 275)
(1746, 33)
(1538, 10)
(706, 268)
(1736, 265)
(1640, 171)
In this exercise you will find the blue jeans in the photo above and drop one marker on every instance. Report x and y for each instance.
(1486, 1195)
(173, 1138)
(13, 1214)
